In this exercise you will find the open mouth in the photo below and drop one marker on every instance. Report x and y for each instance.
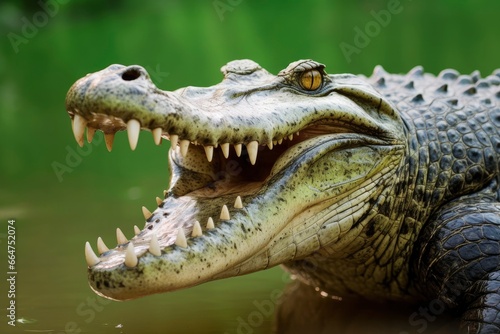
(240, 168)
(214, 170)
(249, 176)
(210, 189)
(209, 172)
(208, 186)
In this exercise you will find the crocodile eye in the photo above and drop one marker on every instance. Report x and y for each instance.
(311, 80)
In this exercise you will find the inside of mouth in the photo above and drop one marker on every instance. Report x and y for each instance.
(237, 175)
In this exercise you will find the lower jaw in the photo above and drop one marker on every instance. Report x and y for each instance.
(218, 253)
(235, 246)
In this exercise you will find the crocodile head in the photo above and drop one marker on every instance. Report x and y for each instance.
(265, 170)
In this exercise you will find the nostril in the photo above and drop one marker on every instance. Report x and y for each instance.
(131, 74)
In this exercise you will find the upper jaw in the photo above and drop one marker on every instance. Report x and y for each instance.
(119, 98)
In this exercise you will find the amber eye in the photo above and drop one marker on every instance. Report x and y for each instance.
(311, 80)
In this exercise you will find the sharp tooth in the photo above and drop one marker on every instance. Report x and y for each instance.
(298, 133)
(270, 145)
(108, 138)
(157, 135)
(90, 256)
(79, 124)
(90, 134)
(137, 230)
(181, 239)
(210, 223)
(209, 151)
(224, 214)
(159, 200)
(101, 246)
(184, 147)
(237, 148)
(216, 145)
(133, 130)
(280, 141)
(196, 230)
(225, 149)
(154, 246)
(174, 139)
(252, 148)
(275, 142)
(290, 137)
(238, 204)
(120, 237)
(130, 257)
(146, 212)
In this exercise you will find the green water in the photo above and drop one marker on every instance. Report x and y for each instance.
(61, 196)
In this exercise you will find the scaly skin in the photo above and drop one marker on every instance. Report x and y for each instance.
(389, 191)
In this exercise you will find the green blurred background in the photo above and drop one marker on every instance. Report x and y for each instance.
(62, 196)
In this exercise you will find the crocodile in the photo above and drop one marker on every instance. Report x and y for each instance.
(384, 187)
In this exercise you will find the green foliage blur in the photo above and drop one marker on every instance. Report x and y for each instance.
(186, 42)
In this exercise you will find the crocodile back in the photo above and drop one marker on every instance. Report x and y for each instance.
(453, 129)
